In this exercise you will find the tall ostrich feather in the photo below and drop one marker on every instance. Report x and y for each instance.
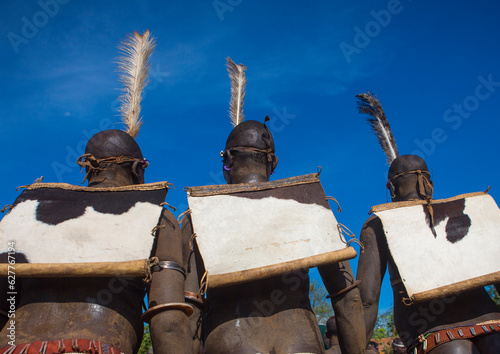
(134, 69)
(370, 105)
(238, 83)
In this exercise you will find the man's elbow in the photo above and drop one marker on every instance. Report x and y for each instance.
(170, 332)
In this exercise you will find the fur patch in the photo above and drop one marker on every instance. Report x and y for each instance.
(236, 233)
(466, 246)
(80, 232)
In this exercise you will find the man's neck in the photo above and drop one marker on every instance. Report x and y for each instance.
(249, 178)
(408, 196)
(107, 179)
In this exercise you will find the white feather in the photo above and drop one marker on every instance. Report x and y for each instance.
(238, 83)
(134, 68)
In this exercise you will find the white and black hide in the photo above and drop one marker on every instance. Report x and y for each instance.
(251, 231)
(464, 253)
(60, 223)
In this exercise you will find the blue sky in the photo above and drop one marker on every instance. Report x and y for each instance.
(433, 65)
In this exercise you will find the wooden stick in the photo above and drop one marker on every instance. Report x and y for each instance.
(233, 278)
(76, 270)
(446, 290)
(409, 203)
(222, 189)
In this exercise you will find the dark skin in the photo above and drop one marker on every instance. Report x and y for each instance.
(170, 330)
(274, 315)
(468, 307)
(53, 309)
(331, 338)
(193, 265)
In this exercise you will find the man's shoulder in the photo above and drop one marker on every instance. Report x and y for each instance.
(168, 219)
(372, 222)
(372, 233)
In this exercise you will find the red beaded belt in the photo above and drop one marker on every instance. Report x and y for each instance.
(425, 343)
(62, 346)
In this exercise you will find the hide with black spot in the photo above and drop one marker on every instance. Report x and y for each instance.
(463, 254)
(60, 223)
(257, 230)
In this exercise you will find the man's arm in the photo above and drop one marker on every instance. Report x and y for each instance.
(169, 326)
(195, 270)
(340, 284)
(371, 269)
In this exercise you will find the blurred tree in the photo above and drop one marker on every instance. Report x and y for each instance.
(385, 348)
(321, 306)
(146, 341)
(384, 327)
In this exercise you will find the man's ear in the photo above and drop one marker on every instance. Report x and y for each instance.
(390, 187)
(275, 162)
(228, 159)
(227, 164)
(137, 171)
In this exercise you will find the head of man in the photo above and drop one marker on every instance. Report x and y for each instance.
(331, 337)
(249, 156)
(372, 347)
(398, 347)
(113, 158)
(409, 179)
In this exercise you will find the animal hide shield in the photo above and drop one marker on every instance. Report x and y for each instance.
(463, 255)
(60, 223)
(252, 231)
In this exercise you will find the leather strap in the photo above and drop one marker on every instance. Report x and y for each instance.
(62, 346)
(92, 163)
(158, 267)
(152, 311)
(269, 152)
(346, 289)
(429, 341)
(196, 299)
